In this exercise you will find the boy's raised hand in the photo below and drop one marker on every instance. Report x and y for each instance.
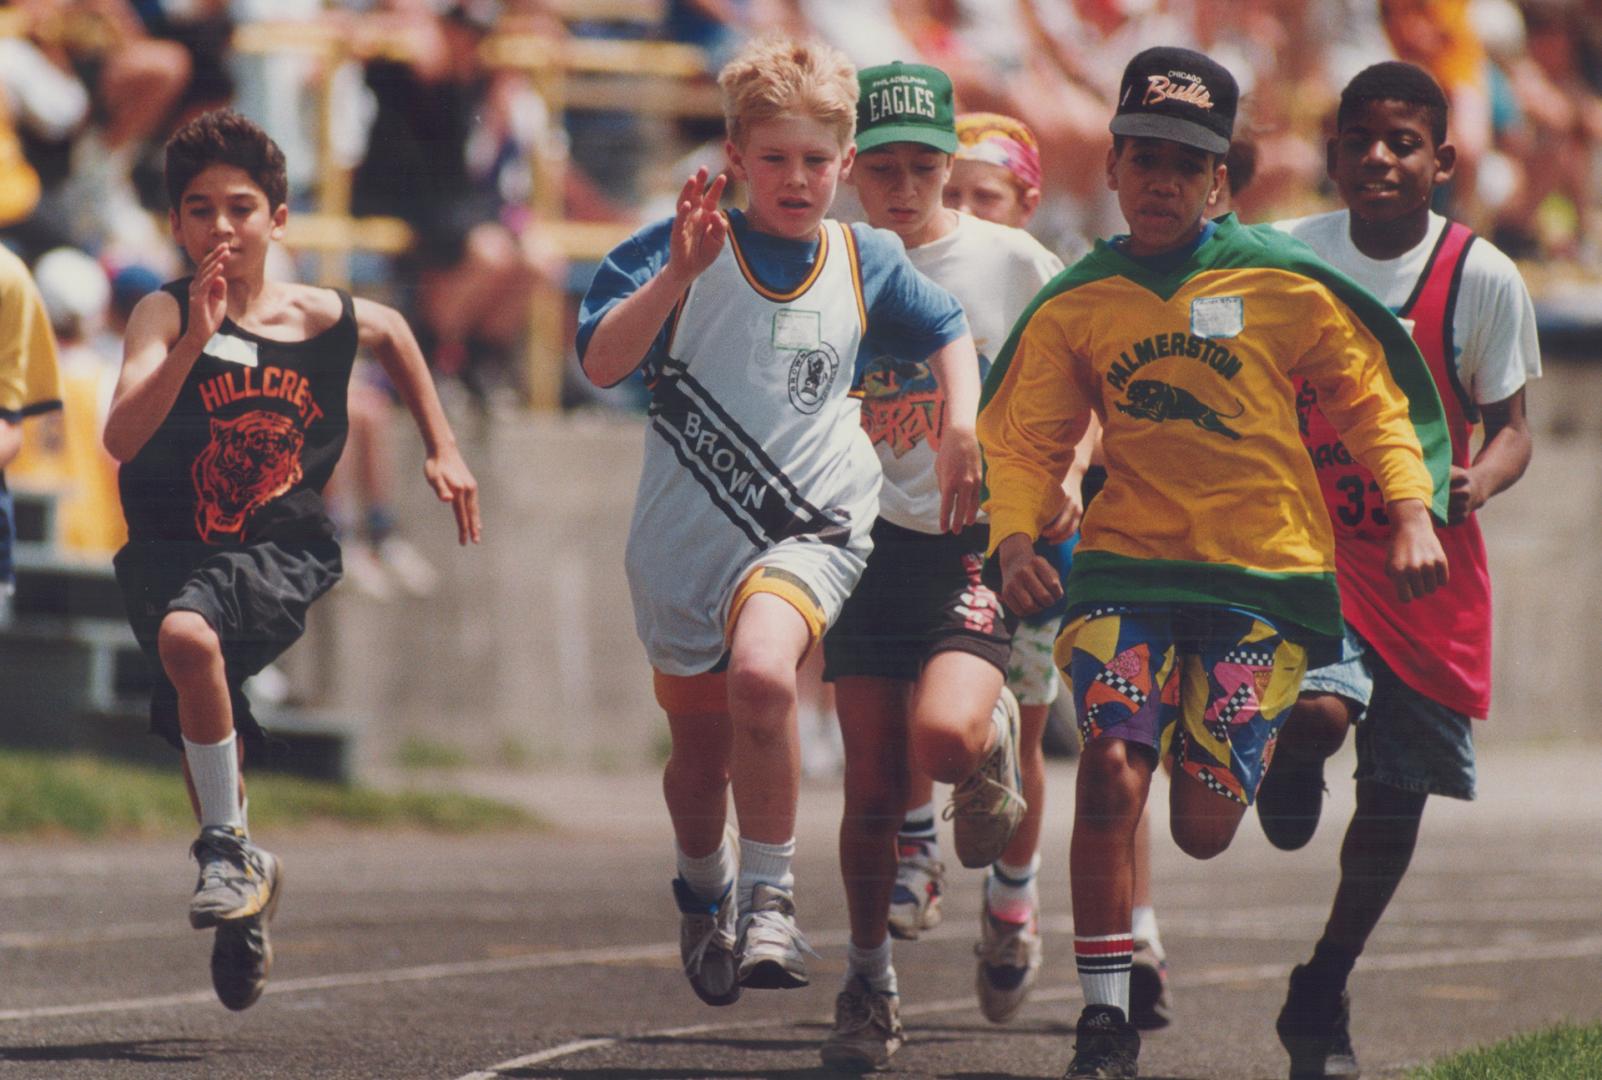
(453, 482)
(959, 472)
(1416, 562)
(699, 230)
(1028, 582)
(208, 294)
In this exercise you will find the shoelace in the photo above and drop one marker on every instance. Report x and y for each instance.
(776, 929)
(219, 854)
(971, 797)
(714, 930)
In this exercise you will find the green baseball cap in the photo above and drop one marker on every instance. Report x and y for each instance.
(906, 103)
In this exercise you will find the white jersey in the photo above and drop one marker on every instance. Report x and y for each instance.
(994, 272)
(1493, 326)
(756, 455)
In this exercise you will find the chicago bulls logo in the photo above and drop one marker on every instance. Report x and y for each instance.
(251, 460)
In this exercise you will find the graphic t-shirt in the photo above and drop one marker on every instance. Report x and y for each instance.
(1210, 495)
(993, 271)
(250, 442)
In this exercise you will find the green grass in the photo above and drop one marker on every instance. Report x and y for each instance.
(418, 752)
(1564, 1052)
(45, 794)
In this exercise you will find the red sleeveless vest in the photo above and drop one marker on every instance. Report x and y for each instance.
(1439, 645)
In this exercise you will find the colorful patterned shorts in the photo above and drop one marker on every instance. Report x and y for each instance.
(1208, 687)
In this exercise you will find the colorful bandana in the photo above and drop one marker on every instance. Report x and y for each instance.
(1000, 140)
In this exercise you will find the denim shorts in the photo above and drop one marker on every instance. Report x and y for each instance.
(1404, 739)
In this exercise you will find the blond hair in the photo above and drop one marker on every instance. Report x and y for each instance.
(775, 76)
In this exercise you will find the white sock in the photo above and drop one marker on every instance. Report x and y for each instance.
(214, 768)
(709, 876)
(1103, 963)
(1144, 928)
(873, 965)
(768, 863)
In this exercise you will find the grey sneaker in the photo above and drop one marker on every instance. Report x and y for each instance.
(985, 809)
(1009, 961)
(706, 944)
(867, 1029)
(237, 878)
(1106, 1046)
(770, 944)
(915, 903)
(1149, 1005)
(242, 958)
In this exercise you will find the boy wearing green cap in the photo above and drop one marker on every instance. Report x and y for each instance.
(1204, 578)
(919, 653)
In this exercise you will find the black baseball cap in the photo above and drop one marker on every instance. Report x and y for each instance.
(1179, 95)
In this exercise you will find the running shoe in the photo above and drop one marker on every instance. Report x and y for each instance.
(706, 943)
(985, 809)
(242, 958)
(770, 943)
(1289, 800)
(1149, 1005)
(867, 1029)
(1314, 1027)
(1009, 960)
(1106, 1046)
(920, 879)
(237, 878)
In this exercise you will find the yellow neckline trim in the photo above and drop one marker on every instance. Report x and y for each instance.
(767, 293)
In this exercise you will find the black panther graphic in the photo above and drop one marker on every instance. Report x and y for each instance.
(1153, 400)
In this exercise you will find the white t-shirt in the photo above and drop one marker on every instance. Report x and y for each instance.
(1493, 327)
(994, 272)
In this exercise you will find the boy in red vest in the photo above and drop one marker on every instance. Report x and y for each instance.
(1412, 677)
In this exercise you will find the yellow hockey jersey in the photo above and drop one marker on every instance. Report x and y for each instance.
(1210, 495)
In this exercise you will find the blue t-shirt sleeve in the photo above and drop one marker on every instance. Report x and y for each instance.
(909, 316)
(623, 272)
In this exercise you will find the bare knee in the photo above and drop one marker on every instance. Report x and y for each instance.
(1202, 839)
(762, 695)
(188, 646)
(942, 750)
(1111, 788)
(1316, 726)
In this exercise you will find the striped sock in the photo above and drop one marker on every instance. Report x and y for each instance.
(918, 828)
(1103, 964)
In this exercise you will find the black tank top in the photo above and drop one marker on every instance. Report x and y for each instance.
(250, 441)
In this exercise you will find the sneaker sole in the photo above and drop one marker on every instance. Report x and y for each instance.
(1147, 1010)
(772, 975)
(996, 1009)
(266, 916)
(1310, 1060)
(728, 997)
(851, 1059)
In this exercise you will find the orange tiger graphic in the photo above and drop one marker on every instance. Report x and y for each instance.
(251, 460)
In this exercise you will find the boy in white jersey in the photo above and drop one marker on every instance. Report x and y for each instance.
(759, 487)
(920, 651)
(1411, 680)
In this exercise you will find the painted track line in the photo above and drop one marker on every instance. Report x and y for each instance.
(1222, 976)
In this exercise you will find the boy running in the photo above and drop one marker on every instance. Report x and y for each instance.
(1412, 676)
(759, 487)
(919, 655)
(228, 417)
(1205, 573)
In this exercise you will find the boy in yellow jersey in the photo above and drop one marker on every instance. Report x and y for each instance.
(1204, 578)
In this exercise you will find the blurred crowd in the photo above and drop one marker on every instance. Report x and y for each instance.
(421, 127)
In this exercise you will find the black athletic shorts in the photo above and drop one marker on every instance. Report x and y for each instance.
(255, 597)
(921, 594)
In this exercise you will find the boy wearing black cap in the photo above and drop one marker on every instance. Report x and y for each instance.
(1204, 578)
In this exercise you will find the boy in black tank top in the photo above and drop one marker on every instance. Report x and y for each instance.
(228, 418)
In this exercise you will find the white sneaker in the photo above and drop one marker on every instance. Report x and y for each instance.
(770, 943)
(867, 1029)
(1009, 961)
(985, 809)
(920, 881)
(706, 943)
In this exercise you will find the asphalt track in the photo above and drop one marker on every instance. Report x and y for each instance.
(553, 954)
